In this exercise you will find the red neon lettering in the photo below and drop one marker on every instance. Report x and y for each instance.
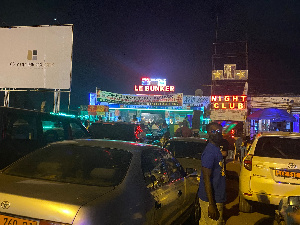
(231, 105)
(161, 88)
(220, 98)
(172, 88)
(216, 105)
(135, 88)
(227, 98)
(151, 88)
(235, 98)
(213, 98)
(156, 88)
(141, 88)
(223, 106)
(167, 88)
(147, 88)
(240, 105)
(243, 97)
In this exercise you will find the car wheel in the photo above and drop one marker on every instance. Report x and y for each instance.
(244, 205)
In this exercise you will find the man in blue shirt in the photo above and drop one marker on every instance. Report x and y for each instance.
(212, 185)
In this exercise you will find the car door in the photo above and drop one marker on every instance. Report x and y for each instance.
(166, 184)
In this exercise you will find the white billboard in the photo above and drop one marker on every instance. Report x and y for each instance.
(36, 57)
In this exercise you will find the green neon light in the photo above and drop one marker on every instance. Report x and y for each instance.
(62, 114)
(229, 128)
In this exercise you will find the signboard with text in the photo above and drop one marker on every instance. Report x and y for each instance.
(198, 101)
(228, 114)
(36, 56)
(228, 102)
(156, 100)
(153, 85)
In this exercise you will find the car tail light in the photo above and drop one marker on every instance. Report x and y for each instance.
(248, 162)
(46, 222)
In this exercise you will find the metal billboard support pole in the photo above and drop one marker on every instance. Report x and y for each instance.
(6, 98)
(69, 102)
(56, 101)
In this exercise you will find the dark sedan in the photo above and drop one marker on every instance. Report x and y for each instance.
(97, 182)
(187, 151)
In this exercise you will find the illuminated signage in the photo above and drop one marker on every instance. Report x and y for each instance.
(171, 99)
(153, 85)
(230, 73)
(229, 102)
(154, 81)
(150, 88)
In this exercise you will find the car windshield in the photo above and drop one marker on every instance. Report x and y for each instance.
(183, 149)
(278, 147)
(85, 165)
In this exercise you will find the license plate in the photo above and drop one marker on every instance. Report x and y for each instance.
(8, 220)
(291, 174)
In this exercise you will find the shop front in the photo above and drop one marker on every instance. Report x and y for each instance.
(288, 104)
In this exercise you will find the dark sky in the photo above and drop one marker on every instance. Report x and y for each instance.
(118, 42)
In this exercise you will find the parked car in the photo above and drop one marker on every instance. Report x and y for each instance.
(187, 151)
(116, 131)
(98, 182)
(270, 171)
(23, 131)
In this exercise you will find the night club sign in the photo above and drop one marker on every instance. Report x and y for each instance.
(229, 102)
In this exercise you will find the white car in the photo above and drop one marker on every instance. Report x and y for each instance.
(98, 182)
(271, 170)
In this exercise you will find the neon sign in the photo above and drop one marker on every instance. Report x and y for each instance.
(154, 88)
(153, 85)
(154, 81)
(229, 102)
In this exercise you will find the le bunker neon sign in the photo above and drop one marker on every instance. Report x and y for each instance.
(153, 85)
(229, 102)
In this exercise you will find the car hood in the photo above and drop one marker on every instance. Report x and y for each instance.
(45, 199)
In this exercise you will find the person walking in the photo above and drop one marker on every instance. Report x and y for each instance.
(238, 145)
(212, 186)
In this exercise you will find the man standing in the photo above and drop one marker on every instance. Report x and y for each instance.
(212, 181)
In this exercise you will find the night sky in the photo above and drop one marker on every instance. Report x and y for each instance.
(118, 42)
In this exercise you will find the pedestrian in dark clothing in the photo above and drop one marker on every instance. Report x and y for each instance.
(212, 185)
(184, 131)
